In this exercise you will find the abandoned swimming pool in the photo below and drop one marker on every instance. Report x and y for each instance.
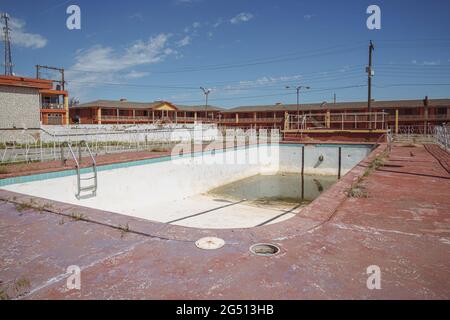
(221, 189)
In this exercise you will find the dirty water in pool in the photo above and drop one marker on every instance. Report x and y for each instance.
(276, 190)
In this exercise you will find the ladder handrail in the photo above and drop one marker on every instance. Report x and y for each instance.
(78, 167)
(94, 163)
(68, 145)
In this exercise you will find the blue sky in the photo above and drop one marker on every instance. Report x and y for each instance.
(246, 51)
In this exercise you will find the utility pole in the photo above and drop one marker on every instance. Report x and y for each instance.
(298, 97)
(298, 100)
(334, 99)
(61, 81)
(370, 74)
(7, 41)
(206, 92)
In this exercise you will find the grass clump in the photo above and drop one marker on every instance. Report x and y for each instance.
(358, 190)
(21, 207)
(77, 216)
(17, 289)
(124, 230)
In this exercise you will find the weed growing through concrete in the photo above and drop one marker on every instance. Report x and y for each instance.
(124, 230)
(22, 207)
(18, 288)
(43, 208)
(358, 190)
(157, 149)
(77, 216)
(3, 294)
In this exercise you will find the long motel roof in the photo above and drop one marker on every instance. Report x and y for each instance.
(157, 105)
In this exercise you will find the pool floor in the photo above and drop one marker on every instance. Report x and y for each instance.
(277, 190)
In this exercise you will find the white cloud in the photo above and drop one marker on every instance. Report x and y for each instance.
(241, 17)
(308, 17)
(100, 64)
(137, 16)
(21, 38)
(427, 63)
(263, 81)
(432, 63)
(184, 42)
(136, 74)
(196, 25)
(218, 23)
(187, 1)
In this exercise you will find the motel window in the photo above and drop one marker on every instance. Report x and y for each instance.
(409, 112)
(54, 119)
(441, 111)
(390, 112)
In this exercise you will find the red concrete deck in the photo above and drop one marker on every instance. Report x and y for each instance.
(403, 226)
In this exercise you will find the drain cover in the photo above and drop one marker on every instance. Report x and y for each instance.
(264, 249)
(210, 243)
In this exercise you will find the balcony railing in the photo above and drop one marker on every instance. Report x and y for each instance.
(341, 121)
(152, 119)
(52, 106)
(251, 120)
(419, 117)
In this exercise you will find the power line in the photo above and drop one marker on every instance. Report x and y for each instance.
(347, 72)
(248, 63)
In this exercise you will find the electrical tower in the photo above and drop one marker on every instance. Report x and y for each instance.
(7, 42)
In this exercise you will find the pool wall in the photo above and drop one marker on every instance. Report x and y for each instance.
(135, 187)
(351, 155)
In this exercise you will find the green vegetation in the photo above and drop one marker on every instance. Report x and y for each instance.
(3, 169)
(358, 190)
(77, 216)
(124, 230)
(17, 289)
(21, 207)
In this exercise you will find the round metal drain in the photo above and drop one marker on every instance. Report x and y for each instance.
(264, 249)
(210, 243)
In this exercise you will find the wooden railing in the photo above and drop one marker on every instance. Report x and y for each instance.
(46, 105)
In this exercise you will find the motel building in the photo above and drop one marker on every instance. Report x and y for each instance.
(125, 112)
(28, 103)
(414, 116)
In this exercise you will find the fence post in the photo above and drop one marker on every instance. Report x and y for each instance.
(303, 173)
(62, 154)
(340, 163)
(80, 156)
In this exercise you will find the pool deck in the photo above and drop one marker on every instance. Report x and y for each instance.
(402, 226)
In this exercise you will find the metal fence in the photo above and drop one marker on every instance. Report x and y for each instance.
(442, 135)
(51, 147)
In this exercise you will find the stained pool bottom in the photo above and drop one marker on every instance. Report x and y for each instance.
(283, 189)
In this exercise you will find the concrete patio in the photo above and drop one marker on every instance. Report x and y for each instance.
(401, 224)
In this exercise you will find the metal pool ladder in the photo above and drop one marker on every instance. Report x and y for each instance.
(81, 189)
